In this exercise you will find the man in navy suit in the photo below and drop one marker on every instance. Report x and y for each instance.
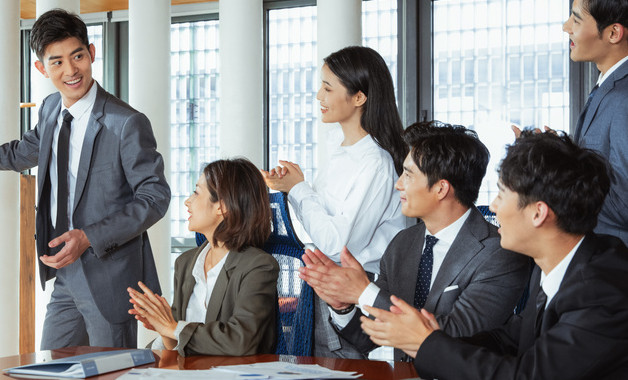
(598, 30)
(101, 185)
(574, 324)
(466, 279)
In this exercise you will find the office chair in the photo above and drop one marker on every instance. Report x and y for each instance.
(295, 321)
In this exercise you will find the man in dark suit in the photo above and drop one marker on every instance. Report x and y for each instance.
(574, 324)
(101, 185)
(450, 263)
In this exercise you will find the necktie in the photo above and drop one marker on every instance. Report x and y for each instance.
(63, 154)
(583, 114)
(541, 300)
(424, 277)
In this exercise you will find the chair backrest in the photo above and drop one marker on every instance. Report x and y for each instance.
(488, 214)
(295, 322)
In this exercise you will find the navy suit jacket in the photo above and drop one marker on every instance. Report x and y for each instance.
(120, 192)
(583, 334)
(605, 130)
(476, 288)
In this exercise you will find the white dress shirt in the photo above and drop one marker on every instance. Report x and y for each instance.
(203, 288)
(608, 72)
(81, 111)
(551, 282)
(353, 202)
(445, 237)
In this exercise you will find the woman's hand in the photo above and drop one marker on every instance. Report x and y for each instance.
(283, 178)
(153, 311)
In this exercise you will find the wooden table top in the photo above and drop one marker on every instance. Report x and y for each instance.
(371, 370)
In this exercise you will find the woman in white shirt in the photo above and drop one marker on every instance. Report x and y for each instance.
(225, 290)
(352, 202)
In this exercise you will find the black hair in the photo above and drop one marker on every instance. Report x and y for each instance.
(362, 69)
(607, 12)
(450, 152)
(551, 168)
(56, 25)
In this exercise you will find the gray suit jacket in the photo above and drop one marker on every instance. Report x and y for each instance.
(242, 309)
(605, 130)
(489, 280)
(120, 192)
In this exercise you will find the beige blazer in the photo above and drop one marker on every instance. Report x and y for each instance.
(242, 309)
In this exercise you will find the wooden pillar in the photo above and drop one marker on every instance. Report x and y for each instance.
(28, 262)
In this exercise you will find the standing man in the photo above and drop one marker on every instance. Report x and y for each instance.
(450, 263)
(101, 185)
(598, 30)
(574, 324)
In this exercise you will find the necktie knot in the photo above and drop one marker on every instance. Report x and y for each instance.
(67, 116)
(430, 241)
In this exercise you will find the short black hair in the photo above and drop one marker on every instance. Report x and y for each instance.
(607, 12)
(551, 168)
(56, 25)
(450, 152)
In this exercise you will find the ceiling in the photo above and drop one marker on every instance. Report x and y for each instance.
(27, 7)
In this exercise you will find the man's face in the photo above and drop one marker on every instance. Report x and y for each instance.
(586, 43)
(513, 220)
(68, 64)
(417, 199)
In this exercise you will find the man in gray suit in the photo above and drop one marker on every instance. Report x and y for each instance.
(598, 30)
(450, 263)
(101, 185)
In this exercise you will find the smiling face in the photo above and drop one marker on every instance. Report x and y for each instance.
(515, 230)
(205, 215)
(417, 199)
(68, 64)
(586, 44)
(337, 106)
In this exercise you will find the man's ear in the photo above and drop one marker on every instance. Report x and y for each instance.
(617, 33)
(41, 68)
(92, 52)
(444, 188)
(359, 99)
(541, 213)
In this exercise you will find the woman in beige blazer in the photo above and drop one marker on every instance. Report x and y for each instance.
(224, 291)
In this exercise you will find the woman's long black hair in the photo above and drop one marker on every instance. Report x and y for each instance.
(362, 69)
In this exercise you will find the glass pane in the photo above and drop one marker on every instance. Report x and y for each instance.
(506, 65)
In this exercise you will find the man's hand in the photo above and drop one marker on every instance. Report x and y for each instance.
(153, 311)
(339, 286)
(517, 131)
(404, 327)
(76, 243)
(283, 178)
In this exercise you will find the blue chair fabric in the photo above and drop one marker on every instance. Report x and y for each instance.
(295, 322)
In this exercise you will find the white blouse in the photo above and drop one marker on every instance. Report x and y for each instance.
(352, 202)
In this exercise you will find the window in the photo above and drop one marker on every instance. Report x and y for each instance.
(194, 111)
(497, 63)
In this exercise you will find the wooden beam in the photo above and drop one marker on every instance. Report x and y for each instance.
(28, 261)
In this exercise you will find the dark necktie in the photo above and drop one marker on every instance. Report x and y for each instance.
(583, 114)
(63, 154)
(424, 277)
(541, 300)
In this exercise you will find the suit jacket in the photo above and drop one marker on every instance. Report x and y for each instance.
(489, 280)
(241, 312)
(605, 130)
(583, 335)
(120, 192)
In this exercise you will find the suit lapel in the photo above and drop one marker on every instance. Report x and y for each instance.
(45, 146)
(93, 127)
(604, 89)
(527, 336)
(187, 282)
(220, 288)
(408, 266)
(463, 249)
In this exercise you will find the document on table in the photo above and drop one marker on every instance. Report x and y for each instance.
(269, 370)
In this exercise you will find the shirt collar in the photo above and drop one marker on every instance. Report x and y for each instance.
(551, 282)
(449, 233)
(78, 109)
(608, 73)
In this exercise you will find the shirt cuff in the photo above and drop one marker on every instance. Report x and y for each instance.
(298, 192)
(180, 326)
(158, 344)
(340, 320)
(368, 297)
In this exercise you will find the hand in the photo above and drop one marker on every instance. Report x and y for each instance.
(404, 327)
(76, 242)
(517, 131)
(153, 311)
(283, 178)
(339, 286)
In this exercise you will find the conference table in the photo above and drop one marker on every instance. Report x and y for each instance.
(371, 370)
